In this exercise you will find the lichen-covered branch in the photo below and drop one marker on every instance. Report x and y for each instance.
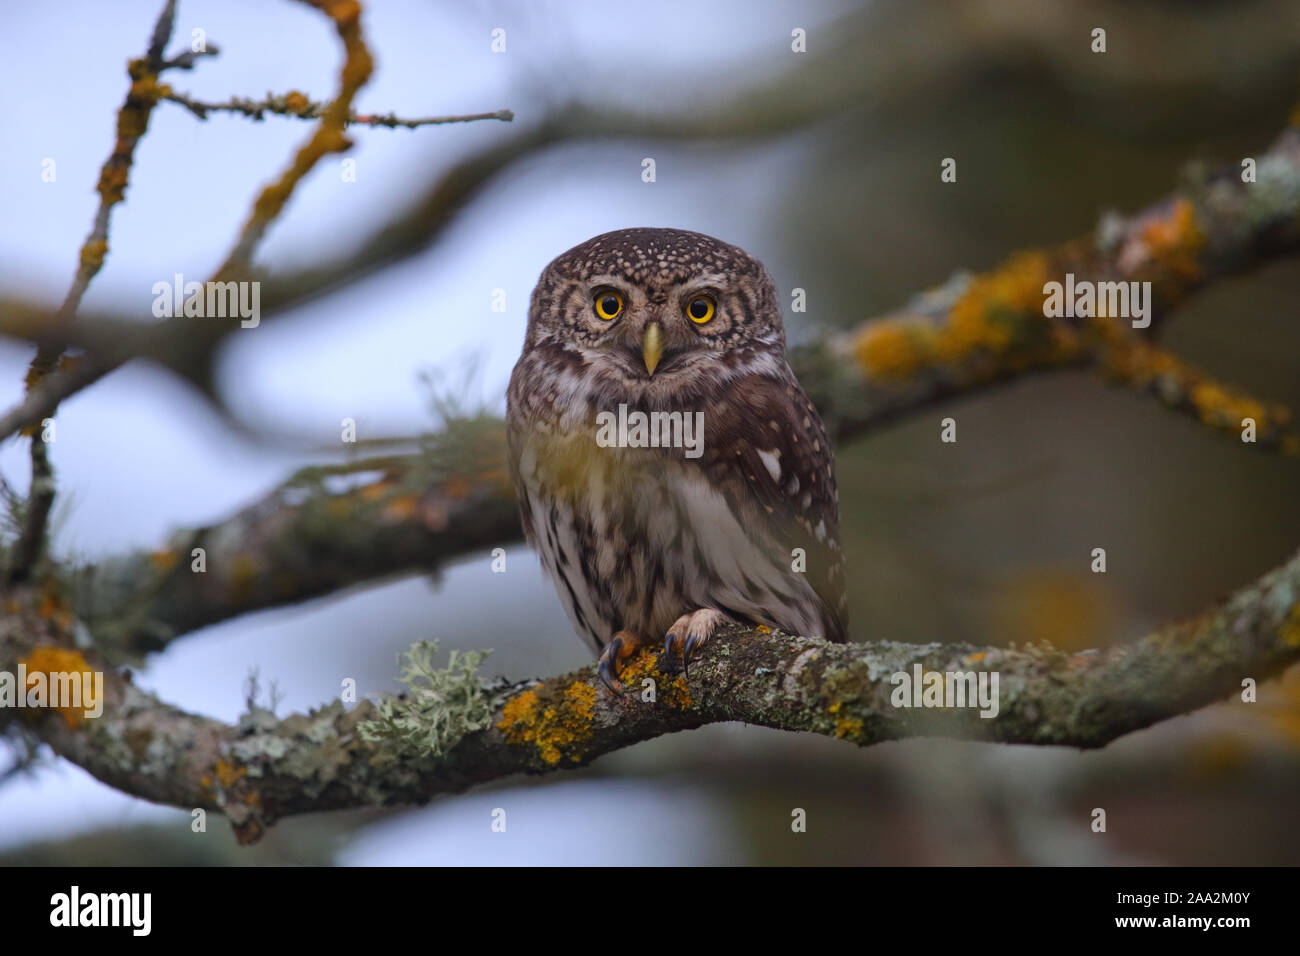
(300, 106)
(264, 768)
(992, 327)
(323, 530)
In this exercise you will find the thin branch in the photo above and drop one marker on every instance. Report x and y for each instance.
(132, 124)
(265, 769)
(162, 35)
(183, 350)
(187, 59)
(328, 137)
(1153, 371)
(296, 104)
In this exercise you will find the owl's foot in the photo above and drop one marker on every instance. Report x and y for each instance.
(620, 647)
(692, 631)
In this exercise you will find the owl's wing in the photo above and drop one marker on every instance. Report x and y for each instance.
(767, 449)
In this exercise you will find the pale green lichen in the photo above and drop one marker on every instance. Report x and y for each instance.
(439, 708)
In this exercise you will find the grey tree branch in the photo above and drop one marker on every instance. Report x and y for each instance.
(264, 769)
(318, 533)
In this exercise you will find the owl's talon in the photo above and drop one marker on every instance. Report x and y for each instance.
(670, 639)
(691, 632)
(692, 642)
(620, 647)
(607, 669)
(606, 672)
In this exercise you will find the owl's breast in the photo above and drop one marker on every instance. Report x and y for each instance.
(636, 536)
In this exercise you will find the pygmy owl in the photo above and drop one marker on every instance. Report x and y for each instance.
(670, 470)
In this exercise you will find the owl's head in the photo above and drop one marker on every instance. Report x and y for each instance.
(657, 305)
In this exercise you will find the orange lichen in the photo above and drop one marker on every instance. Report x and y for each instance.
(986, 316)
(296, 102)
(401, 508)
(556, 724)
(1140, 364)
(495, 476)
(54, 607)
(52, 661)
(847, 728)
(344, 12)
(375, 490)
(47, 659)
(1135, 361)
(229, 773)
(1218, 406)
(457, 487)
(1173, 241)
(669, 691)
(889, 349)
(164, 560)
(93, 252)
(1065, 344)
(1290, 631)
(243, 574)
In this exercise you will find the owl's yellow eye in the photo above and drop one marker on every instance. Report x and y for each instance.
(608, 305)
(700, 309)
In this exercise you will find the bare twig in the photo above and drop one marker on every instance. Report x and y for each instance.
(296, 104)
(187, 60)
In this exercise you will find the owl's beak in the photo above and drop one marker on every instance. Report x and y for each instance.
(652, 346)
